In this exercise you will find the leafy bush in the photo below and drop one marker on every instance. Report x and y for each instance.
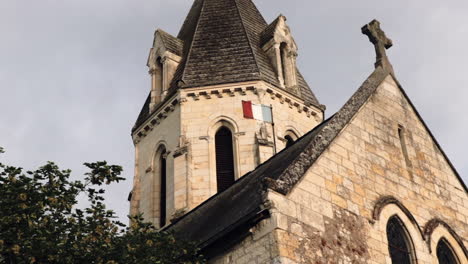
(41, 223)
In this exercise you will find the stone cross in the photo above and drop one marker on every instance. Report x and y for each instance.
(381, 42)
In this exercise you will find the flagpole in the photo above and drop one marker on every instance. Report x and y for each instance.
(273, 127)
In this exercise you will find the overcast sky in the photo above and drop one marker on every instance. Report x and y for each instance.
(73, 74)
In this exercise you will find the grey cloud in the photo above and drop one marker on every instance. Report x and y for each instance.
(73, 74)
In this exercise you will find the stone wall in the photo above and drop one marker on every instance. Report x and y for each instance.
(331, 216)
(147, 180)
(187, 127)
(339, 211)
(252, 250)
(205, 109)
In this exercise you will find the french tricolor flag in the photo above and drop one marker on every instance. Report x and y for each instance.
(257, 111)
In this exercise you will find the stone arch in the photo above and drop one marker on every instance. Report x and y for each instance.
(223, 120)
(157, 147)
(400, 243)
(213, 128)
(436, 230)
(390, 200)
(388, 207)
(290, 136)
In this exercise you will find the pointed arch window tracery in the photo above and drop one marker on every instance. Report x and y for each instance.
(399, 243)
(445, 253)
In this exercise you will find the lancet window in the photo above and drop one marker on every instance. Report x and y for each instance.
(445, 254)
(399, 244)
(224, 159)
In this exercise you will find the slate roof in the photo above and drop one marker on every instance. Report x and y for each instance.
(222, 44)
(269, 32)
(244, 200)
(172, 43)
(226, 210)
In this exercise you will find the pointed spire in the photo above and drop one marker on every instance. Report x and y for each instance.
(223, 45)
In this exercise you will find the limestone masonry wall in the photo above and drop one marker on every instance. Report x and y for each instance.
(148, 186)
(187, 130)
(329, 217)
(204, 110)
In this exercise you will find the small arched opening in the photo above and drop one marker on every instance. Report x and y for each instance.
(156, 72)
(284, 62)
(289, 141)
(160, 84)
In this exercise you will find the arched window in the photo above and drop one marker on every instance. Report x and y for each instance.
(224, 159)
(289, 141)
(399, 244)
(156, 71)
(445, 253)
(163, 191)
(284, 62)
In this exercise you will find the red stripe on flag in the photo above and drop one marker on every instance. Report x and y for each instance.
(247, 108)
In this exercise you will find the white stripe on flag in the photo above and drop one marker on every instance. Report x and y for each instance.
(262, 113)
(257, 112)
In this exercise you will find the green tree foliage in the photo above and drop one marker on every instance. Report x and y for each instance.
(40, 222)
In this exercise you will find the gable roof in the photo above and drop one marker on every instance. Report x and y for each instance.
(269, 32)
(172, 43)
(222, 212)
(243, 201)
(221, 44)
(226, 210)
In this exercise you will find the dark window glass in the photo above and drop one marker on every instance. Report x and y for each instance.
(398, 242)
(445, 254)
(224, 159)
(289, 141)
(162, 204)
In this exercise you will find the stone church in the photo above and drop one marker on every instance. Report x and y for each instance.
(232, 151)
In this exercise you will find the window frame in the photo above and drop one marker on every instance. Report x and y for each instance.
(213, 128)
(222, 188)
(406, 237)
(449, 247)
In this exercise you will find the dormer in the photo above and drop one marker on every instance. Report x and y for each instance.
(279, 45)
(163, 60)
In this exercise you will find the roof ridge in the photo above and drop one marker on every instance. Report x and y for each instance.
(314, 149)
(248, 37)
(191, 41)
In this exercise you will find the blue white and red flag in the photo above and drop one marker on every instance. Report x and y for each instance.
(257, 111)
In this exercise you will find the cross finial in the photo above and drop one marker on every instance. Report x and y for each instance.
(381, 42)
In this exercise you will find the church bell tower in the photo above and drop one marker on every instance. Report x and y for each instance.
(225, 96)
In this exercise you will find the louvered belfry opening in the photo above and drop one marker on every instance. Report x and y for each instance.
(162, 205)
(224, 159)
(398, 242)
